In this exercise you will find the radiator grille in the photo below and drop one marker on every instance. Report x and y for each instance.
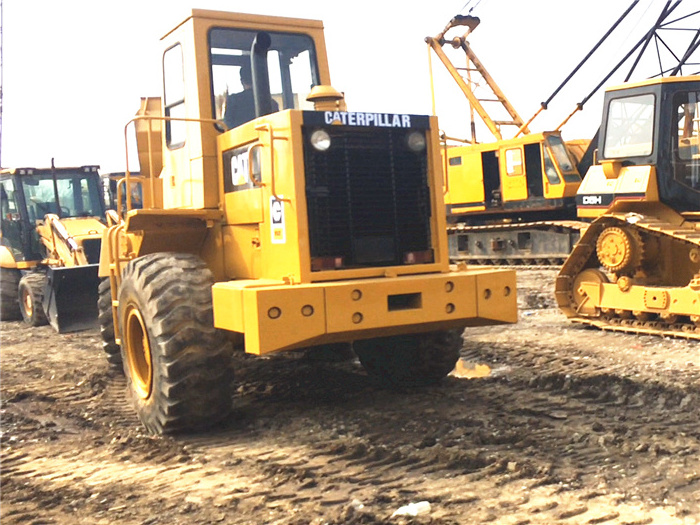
(368, 197)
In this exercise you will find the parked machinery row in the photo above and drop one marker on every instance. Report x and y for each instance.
(512, 199)
(267, 217)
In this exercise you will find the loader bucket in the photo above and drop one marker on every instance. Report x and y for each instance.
(70, 298)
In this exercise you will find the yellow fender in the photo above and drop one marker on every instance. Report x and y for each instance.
(7, 260)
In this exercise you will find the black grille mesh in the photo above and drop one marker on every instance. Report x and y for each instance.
(367, 196)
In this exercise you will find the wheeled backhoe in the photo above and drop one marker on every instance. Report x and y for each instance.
(305, 226)
(51, 225)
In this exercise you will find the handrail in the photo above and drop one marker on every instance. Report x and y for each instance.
(256, 183)
(115, 271)
(121, 184)
(268, 127)
(445, 175)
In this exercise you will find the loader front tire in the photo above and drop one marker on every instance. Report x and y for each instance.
(106, 321)
(177, 365)
(31, 298)
(411, 360)
(9, 294)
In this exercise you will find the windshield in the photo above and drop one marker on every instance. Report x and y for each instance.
(549, 170)
(561, 155)
(292, 66)
(629, 128)
(78, 195)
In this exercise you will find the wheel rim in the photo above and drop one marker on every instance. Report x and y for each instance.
(138, 353)
(617, 250)
(28, 303)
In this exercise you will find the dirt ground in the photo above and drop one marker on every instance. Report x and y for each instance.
(571, 426)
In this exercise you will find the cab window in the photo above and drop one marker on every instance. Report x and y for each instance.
(549, 170)
(555, 145)
(686, 151)
(174, 97)
(78, 195)
(629, 128)
(292, 69)
(10, 226)
(514, 161)
(8, 203)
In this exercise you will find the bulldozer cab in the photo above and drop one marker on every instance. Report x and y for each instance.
(648, 148)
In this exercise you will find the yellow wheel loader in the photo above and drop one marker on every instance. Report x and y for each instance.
(52, 224)
(637, 267)
(274, 219)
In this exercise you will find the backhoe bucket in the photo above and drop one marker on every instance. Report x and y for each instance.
(70, 298)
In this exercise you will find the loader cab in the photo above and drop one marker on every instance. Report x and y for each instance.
(655, 124)
(203, 61)
(530, 174)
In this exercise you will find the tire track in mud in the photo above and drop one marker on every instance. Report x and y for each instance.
(366, 461)
(548, 437)
(625, 418)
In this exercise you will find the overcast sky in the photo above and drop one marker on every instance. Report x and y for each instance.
(74, 70)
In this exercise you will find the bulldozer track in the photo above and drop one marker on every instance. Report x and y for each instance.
(681, 330)
(585, 251)
(523, 261)
(571, 225)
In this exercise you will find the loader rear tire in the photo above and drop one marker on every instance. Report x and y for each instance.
(9, 294)
(31, 298)
(177, 365)
(411, 360)
(106, 321)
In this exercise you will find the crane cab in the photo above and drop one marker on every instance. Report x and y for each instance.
(531, 175)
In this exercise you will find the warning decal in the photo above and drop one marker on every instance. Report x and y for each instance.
(277, 226)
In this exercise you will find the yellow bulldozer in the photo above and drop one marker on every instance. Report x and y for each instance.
(274, 219)
(51, 229)
(637, 267)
